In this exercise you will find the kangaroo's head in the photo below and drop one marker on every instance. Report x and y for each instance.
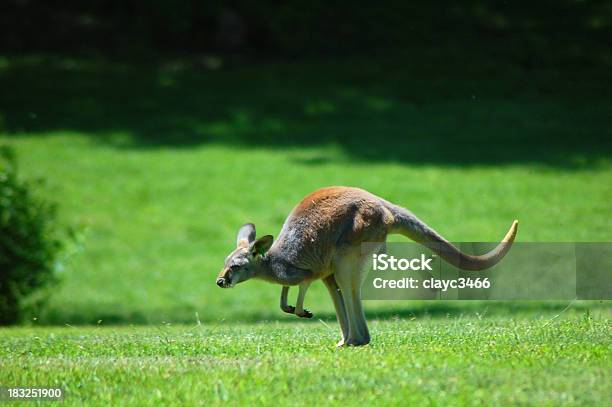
(240, 265)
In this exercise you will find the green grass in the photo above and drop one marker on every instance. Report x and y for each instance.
(157, 167)
(544, 361)
(156, 224)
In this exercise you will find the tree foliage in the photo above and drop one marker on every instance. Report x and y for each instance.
(29, 243)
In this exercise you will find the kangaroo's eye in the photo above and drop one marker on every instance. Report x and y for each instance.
(234, 267)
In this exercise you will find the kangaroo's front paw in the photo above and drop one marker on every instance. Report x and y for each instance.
(304, 314)
(289, 309)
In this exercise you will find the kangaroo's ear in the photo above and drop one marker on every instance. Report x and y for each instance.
(261, 245)
(246, 235)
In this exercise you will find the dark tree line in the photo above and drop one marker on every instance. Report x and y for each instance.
(292, 28)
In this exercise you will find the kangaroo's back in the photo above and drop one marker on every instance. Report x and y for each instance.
(329, 219)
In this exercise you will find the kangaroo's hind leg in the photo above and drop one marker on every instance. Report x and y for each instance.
(348, 272)
(336, 295)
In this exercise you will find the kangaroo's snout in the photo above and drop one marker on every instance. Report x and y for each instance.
(221, 283)
(224, 278)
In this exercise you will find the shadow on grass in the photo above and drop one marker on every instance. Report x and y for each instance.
(419, 310)
(481, 112)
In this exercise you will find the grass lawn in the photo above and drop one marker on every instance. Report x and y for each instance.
(155, 168)
(524, 360)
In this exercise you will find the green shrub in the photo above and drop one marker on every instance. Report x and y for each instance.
(29, 244)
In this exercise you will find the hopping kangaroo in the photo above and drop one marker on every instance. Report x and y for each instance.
(321, 239)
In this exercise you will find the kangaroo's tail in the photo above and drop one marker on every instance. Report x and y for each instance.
(410, 226)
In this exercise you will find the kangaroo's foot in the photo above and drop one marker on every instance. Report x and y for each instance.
(353, 342)
(304, 314)
(289, 309)
(356, 342)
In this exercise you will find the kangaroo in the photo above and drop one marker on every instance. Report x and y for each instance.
(321, 240)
